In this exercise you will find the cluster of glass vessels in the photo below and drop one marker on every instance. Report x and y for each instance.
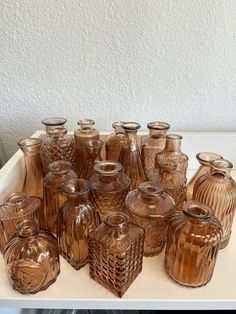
(111, 211)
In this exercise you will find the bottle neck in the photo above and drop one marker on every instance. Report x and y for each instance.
(27, 228)
(173, 145)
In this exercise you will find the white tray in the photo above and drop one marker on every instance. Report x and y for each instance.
(152, 289)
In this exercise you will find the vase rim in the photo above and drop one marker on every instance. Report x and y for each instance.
(117, 220)
(60, 166)
(58, 131)
(117, 124)
(150, 189)
(174, 136)
(30, 142)
(197, 210)
(86, 122)
(108, 167)
(158, 125)
(93, 143)
(131, 126)
(221, 164)
(76, 187)
(207, 157)
(53, 121)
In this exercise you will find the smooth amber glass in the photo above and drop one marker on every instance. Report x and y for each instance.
(116, 253)
(172, 152)
(17, 206)
(204, 169)
(115, 141)
(153, 143)
(193, 242)
(84, 133)
(130, 156)
(31, 258)
(93, 148)
(76, 219)
(59, 173)
(109, 187)
(218, 191)
(33, 183)
(151, 208)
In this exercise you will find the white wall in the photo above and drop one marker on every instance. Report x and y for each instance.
(141, 60)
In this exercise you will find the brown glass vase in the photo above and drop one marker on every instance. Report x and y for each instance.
(151, 208)
(33, 183)
(17, 206)
(218, 191)
(204, 169)
(31, 258)
(109, 187)
(59, 173)
(193, 243)
(153, 143)
(76, 219)
(115, 141)
(130, 156)
(172, 152)
(93, 148)
(84, 133)
(116, 253)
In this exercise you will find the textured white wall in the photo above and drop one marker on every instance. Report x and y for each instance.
(141, 60)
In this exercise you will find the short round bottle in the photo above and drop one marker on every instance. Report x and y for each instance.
(151, 208)
(193, 243)
(115, 141)
(31, 258)
(76, 219)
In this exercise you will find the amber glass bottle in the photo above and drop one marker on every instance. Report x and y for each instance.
(31, 258)
(109, 187)
(130, 156)
(17, 206)
(59, 173)
(193, 242)
(204, 169)
(153, 143)
(172, 152)
(116, 253)
(33, 183)
(84, 133)
(115, 141)
(218, 191)
(93, 148)
(151, 208)
(76, 219)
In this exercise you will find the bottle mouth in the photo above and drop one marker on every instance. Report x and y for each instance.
(117, 220)
(131, 126)
(149, 189)
(60, 166)
(158, 125)
(94, 143)
(108, 167)
(53, 121)
(197, 210)
(58, 131)
(86, 122)
(30, 142)
(221, 164)
(206, 157)
(117, 124)
(174, 136)
(76, 187)
(27, 227)
(16, 199)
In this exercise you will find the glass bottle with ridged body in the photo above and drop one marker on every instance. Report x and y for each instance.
(153, 143)
(31, 258)
(115, 141)
(76, 219)
(218, 191)
(193, 242)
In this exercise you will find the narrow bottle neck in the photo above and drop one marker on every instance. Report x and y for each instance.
(27, 228)
(154, 133)
(76, 199)
(173, 145)
(118, 129)
(131, 136)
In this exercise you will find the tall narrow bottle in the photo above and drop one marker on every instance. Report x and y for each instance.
(115, 141)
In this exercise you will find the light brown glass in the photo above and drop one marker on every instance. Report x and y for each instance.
(115, 141)
(172, 152)
(204, 169)
(31, 258)
(218, 191)
(130, 156)
(109, 187)
(33, 182)
(116, 253)
(57, 146)
(84, 133)
(153, 143)
(192, 247)
(17, 206)
(59, 173)
(151, 208)
(93, 148)
(76, 219)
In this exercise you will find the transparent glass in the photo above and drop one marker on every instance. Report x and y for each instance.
(93, 148)
(115, 141)
(109, 187)
(76, 219)
(33, 183)
(17, 206)
(59, 173)
(31, 258)
(193, 243)
(204, 169)
(130, 156)
(218, 191)
(153, 143)
(116, 253)
(151, 208)
(84, 133)
(172, 152)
